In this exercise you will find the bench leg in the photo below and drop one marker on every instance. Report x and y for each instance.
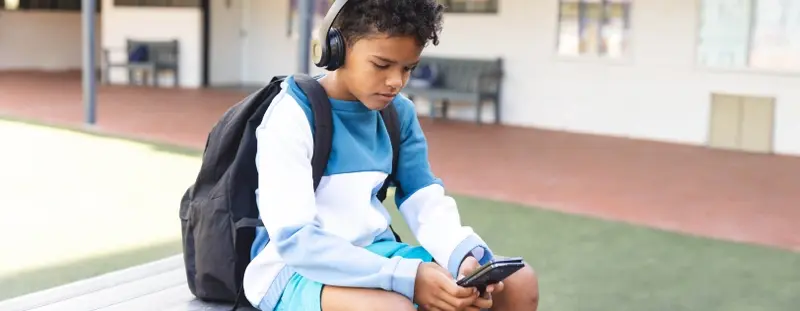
(496, 102)
(445, 106)
(479, 111)
(104, 75)
(496, 111)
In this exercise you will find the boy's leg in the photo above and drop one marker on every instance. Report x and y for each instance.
(345, 299)
(520, 292)
(302, 294)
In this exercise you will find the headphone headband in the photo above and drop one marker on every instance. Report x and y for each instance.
(327, 22)
(321, 46)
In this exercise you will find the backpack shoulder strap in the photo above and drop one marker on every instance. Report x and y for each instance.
(392, 121)
(323, 123)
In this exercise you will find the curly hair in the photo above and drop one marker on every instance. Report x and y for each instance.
(421, 19)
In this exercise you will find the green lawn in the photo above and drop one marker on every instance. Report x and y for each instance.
(77, 205)
(73, 200)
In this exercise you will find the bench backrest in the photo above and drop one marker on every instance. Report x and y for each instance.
(160, 52)
(461, 74)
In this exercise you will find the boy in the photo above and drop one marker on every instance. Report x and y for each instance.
(333, 249)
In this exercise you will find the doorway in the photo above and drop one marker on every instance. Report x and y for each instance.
(224, 42)
(743, 123)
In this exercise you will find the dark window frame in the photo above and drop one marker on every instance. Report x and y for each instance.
(602, 21)
(461, 7)
(159, 3)
(50, 5)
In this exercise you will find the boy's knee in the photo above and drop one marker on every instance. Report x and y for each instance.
(529, 281)
(389, 301)
(357, 299)
(521, 291)
(397, 303)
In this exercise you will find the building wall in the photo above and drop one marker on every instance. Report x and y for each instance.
(41, 40)
(657, 93)
(151, 23)
(269, 49)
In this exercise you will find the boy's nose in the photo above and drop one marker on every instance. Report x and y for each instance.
(394, 81)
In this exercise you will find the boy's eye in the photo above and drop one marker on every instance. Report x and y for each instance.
(380, 66)
(410, 68)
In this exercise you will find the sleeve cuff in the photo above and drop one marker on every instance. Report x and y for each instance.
(404, 277)
(472, 245)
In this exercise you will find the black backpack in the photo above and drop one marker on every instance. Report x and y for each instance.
(219, 213)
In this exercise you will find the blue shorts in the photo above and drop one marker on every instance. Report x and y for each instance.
(302, 294)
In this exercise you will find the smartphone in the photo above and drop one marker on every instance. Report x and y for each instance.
(492, 273)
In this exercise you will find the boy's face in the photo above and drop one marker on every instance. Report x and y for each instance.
(377, 67)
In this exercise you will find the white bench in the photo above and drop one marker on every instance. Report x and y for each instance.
(159, 285)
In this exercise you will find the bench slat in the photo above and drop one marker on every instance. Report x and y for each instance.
(196, 305)
(176, 298)
(160, 285)
(118, 294)
(170, 298)
(87, 286)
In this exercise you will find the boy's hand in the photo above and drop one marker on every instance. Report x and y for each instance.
(435, 289)
(467, 267)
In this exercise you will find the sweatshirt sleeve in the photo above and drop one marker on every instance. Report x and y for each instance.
(432, 215)
(286, 202)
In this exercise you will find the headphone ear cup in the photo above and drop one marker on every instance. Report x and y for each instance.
(319, 52)
(336, 50)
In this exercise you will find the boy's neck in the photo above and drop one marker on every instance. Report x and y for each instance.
(335, 88)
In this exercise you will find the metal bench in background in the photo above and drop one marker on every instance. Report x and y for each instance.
(473, 81)
(156, 57)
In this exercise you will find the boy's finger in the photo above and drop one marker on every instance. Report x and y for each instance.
(495, 288)
(457, 291)
(483, 302)
(468, 265)
(442, 304)
(498, 287)
(454, 302)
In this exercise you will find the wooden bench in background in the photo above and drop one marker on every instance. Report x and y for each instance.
(161, 56)
(473, 81)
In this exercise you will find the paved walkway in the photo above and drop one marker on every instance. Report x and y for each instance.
(735, 196)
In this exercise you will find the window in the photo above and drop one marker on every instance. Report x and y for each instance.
(9, 5)
(47, 5)
(159, 3)
(760, 34)
(470, 6)
(593, 27)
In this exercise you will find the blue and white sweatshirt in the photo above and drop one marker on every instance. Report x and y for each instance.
(322, 235)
